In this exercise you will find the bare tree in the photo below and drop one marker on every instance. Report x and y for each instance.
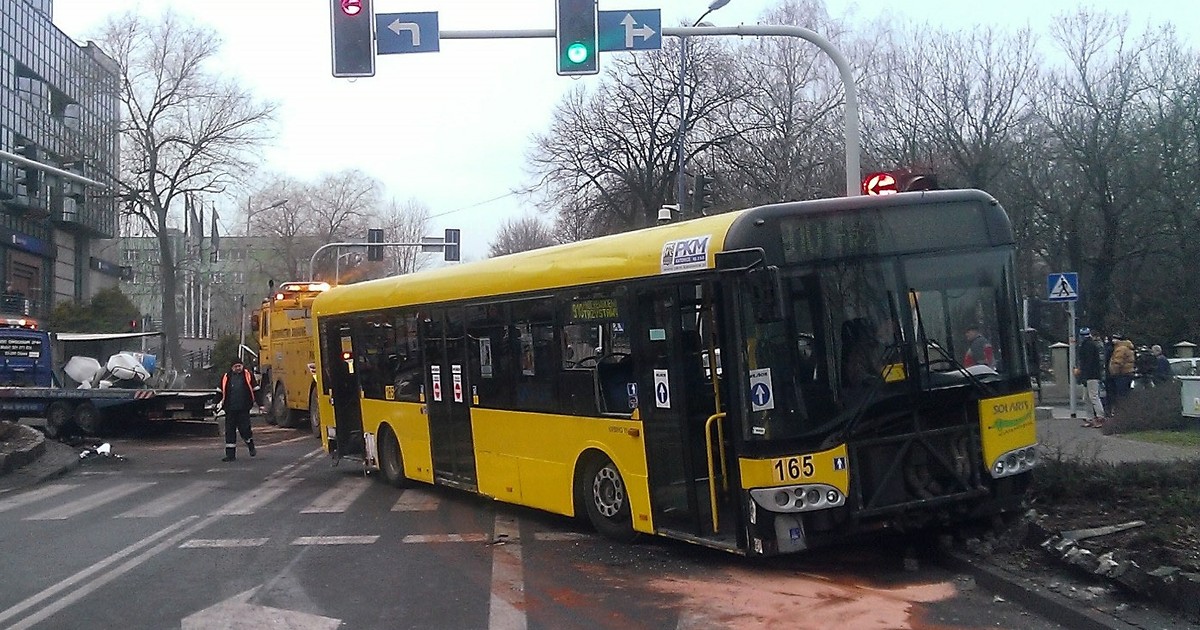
(185, 129)
(404, 222)
(519, 235)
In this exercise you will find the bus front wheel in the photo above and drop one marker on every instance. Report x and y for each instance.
(606, 500)
(391, 462)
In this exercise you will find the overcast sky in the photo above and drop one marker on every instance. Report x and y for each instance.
(451, 129)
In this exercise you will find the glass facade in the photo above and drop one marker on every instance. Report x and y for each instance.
(59, 106)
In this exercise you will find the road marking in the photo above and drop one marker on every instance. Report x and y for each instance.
(79, 577)
(444, 538)
(415, 501)
(218, 543)
(162, 505)
(237, 613)
(560, 536)
(506, 610)
(79, 506)
(83, 590)
(335, 540)
(338, 498)
(248, 503)
(36, 495)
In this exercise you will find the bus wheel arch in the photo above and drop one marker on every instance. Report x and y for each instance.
(601, 494)
(391, 459)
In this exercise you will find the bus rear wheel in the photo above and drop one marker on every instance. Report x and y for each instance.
(391, 462)
(606, 500)
(314, 413)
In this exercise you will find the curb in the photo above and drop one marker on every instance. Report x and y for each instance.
(1042, 601)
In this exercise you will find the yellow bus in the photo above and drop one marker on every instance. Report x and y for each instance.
(698, 380)
(284, 327)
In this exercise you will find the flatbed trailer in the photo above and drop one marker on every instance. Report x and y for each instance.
(91, 411)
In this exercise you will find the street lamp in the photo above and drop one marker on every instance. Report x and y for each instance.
(681, 161)
(250, 213)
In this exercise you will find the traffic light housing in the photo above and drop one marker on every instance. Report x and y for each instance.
(702, 193)
(898, 181)
(352, 36)
(31, 177)
(576, 37)
(374, 252)
(451, 251)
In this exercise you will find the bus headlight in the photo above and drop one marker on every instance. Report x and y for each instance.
(1015, 462)
(799, 498)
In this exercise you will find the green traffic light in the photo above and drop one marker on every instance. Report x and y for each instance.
(577, 52)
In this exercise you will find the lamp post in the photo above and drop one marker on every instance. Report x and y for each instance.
(250, 213)
(681, 160)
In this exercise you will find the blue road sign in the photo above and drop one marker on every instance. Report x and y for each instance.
(397, 33)
(630, 30)
(1062, 287)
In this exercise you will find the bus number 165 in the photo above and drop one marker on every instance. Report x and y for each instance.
(791, 468)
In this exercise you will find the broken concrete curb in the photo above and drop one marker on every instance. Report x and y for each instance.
(32, 446)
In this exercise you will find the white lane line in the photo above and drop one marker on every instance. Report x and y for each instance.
(34, 600)
(35, 495)
(77, 594)
(560, 536)
(415, 501)
(219, 543)
(506, 610)
(444, 538)
(335, 540)
(248, 503)
(336, 499)
(79, 506)
(162, 505)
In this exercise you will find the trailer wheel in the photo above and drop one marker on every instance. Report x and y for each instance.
(58, 418)
(88, 418)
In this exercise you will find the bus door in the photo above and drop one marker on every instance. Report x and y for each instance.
(678, 344)
(341, 383)
(447, 399)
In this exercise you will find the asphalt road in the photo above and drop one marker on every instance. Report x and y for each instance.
(168, 536)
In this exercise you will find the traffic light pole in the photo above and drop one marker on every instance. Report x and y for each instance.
(853, 138)
(313, 261)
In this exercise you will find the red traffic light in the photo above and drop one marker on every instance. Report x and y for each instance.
(883, 183)
(352, 7)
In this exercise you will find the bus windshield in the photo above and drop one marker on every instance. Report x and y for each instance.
(857, 331)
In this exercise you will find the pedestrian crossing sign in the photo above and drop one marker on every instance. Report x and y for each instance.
(1063, 287)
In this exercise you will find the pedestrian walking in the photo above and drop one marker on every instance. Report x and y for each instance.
(1091, 372)
(1162, 366)
(237, 398)
(1121, 366)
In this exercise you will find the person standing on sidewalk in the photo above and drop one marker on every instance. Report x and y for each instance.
(1091, 372)
(237, 398)
(1121, 364)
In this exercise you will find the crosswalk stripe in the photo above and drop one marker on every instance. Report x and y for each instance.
(415, 501)
(79, 506)
(506, 606)
(335, 540)
(35, 495)
(265, 493)
(440, 538)
(215, 543)
(338, 498)
(165, 504)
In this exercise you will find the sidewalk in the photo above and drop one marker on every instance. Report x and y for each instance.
(1062, 435)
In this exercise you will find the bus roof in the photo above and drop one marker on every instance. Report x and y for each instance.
(636, 254)
(614, 257)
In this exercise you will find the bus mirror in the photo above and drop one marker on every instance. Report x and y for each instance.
(766, 287)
